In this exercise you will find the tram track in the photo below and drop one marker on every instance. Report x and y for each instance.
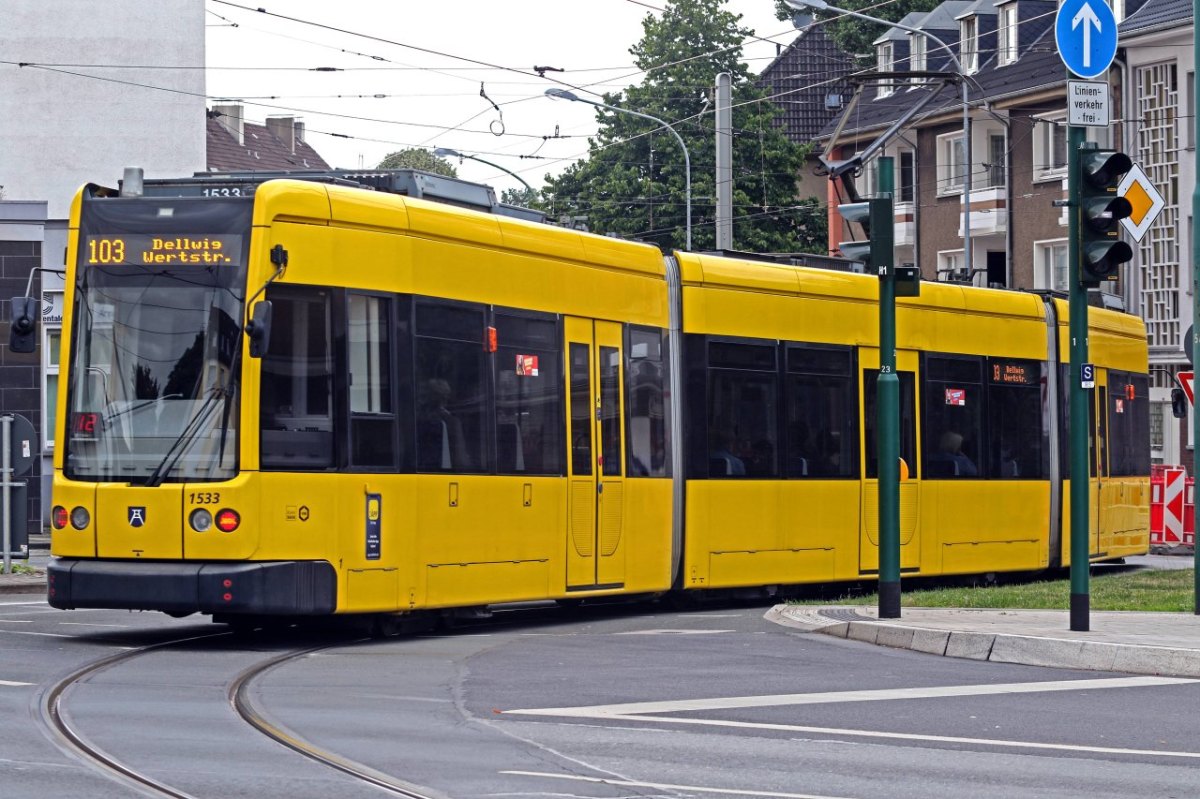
(55, 717)
(242, 701)
(53, 703)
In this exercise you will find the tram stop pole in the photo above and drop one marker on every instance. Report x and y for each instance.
(883, 256)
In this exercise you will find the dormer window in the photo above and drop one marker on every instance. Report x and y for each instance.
(1006, 29)
(883, 56)
(968, 44)
(917, 60)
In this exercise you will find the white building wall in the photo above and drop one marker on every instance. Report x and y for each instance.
(63, 126)
(1158, 64)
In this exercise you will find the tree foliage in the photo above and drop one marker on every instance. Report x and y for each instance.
(855, 36)
(417, 158)
(633, 183)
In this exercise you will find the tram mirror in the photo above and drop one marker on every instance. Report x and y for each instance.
(1179, 403)
(259, 329)
(22, 333)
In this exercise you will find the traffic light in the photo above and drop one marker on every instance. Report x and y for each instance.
(1101, 251)
(23, 330)
(875, 217)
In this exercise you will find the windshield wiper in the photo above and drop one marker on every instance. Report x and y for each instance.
(189, 433)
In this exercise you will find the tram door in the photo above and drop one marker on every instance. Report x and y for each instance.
(595, 544)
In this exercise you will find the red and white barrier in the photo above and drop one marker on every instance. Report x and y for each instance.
(1172, 507)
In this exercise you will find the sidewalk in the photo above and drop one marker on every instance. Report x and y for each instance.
(1136, 643)
(39, 555)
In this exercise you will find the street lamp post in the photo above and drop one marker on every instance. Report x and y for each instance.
(821, 5)
(446, 152)
(563, 94)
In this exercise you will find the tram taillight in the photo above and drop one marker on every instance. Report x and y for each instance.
(58, 517)
(228, 520)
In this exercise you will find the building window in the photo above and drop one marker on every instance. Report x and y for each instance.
(1189, 118)
(997, 157)
(951, 163)
(917, 61)
(1007, 34)
(1051, 260)
(1049, 147)
(883, 55)
(52, 339)
(969, 44)
(908, 176)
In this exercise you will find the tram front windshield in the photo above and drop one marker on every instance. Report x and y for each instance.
(153, 370)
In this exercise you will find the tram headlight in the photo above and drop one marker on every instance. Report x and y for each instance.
(80, 518)
(59, 517)
(228, 520)
(200, 520)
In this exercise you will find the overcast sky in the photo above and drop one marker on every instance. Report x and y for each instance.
(410, 80)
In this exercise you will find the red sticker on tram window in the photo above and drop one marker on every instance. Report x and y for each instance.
(527, 365)
(1118, 405)
(956, 396)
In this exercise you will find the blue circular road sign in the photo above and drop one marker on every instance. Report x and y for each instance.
(1086, 34)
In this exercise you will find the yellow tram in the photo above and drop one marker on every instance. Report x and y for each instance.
(289, 397)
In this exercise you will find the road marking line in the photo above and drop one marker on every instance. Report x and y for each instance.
(905, 736)
(28, 632)
(11, 684)
(92, 624)
(887, 694)
(672, 632)
(16, 621)
(669, 786)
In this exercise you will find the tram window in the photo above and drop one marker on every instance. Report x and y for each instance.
(1129, 424)
(372, 418)
(952, 423)
(822, 413)
(1018, 433)
(610, 411)
(451, 388)
(646, 424)
(529, 417)
(743, 410)
(1064, 436)
(908, 419)
(297, 383)
(581, 409)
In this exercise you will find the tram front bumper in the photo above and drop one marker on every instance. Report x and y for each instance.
(276, 588)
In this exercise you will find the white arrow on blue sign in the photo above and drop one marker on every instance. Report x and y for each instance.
(1086, 34)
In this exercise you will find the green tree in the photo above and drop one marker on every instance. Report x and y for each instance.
(417, 158)
(526, 198)
(856, 37)
(633, 182)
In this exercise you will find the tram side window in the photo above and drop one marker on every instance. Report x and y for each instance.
(908, 419)
(1018, 429)
(953, 419)
(743, 400)
(372, 415)
(529, 396)
(297, 383)
(451, 388)
(1128, 424)
(647, 423)
(822, 412)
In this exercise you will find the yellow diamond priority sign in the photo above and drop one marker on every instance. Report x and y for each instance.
(1145, 200)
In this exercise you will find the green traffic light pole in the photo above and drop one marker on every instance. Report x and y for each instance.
(888, 395)
(1195, 342)
(1079, 396)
